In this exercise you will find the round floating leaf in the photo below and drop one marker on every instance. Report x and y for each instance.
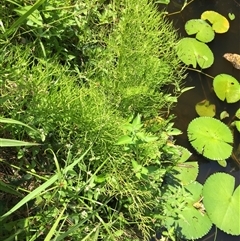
(185, 154)
(194, 223)
(185, 172)
(219, 23)
(201, 28)
(191, 51)
(210, 137)
(222, 203)
(226, 87)
(204, 108)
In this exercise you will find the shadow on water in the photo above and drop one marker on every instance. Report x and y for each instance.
(185, 110)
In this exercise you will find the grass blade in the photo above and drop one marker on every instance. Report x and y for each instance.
(10, 142)
(11, 121)
(52, 230)
(41, 188)
(21, 19)
(30, 196)
(4, 187)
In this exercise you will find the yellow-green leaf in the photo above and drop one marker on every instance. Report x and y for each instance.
(219, 23)
(222, 163)
(201, 28)
(226, 87)
(205, 108)
(224, 114)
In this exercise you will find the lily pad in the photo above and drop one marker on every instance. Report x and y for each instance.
(205, 108)
(193, 222)
(222, 202)
(185, 172)
(201, 28)
(210, 137)
(193, 52)
(219, 23)
(226, 87)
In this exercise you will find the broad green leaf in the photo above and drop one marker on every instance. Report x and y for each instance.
(222, 202)
(100, 178)
(144, 171)
(205, 108)
(137, 121)
(9, 143)
(185, 154)
(150, 139)
(210, 137)
(194, 222)
(124, 140)
(186, 172)
(226, 87)
(231, 16)
(201, 28)
(219, 23)
(174, 132)
(136, 166)
(193, 52)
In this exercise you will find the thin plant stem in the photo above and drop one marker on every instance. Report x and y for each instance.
(202, 87)
(184, 5)
(215, 236)
(200, 71)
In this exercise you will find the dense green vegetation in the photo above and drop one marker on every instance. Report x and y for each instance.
(91, 78)
(87, 142)
(86, 138)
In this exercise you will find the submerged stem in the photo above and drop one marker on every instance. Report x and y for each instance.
(199, 71)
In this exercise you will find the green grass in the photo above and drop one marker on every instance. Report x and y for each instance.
(79, 75)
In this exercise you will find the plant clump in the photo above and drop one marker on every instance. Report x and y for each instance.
(85, 83)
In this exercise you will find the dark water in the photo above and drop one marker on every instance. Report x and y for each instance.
(185, 110)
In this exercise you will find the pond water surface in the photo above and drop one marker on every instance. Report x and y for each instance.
(185, 110)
